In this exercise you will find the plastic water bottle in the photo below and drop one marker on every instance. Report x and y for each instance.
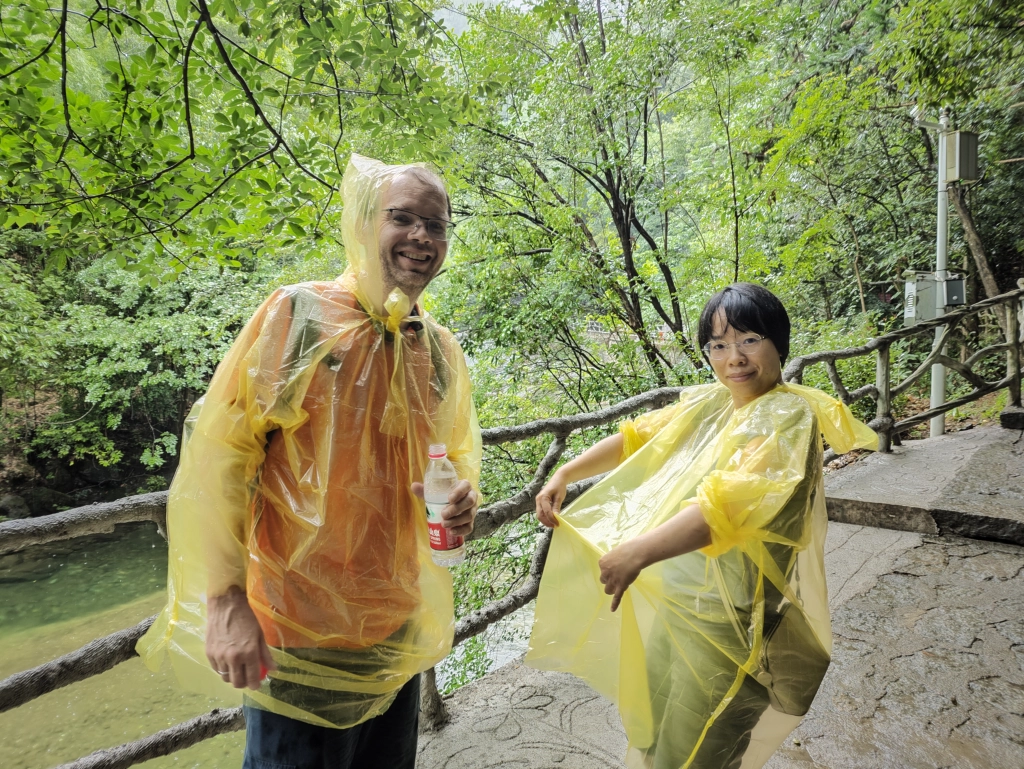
(438, 482)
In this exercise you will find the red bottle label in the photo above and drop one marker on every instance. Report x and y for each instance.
(441, 538)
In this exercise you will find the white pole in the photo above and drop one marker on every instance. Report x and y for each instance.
(938, 395)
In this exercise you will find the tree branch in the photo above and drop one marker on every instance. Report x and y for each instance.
(38, 56)
(92, 659)
(207, 18)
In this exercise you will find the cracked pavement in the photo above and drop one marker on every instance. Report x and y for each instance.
(928, 666)
(927, 671)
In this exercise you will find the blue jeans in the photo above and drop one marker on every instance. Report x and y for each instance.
(385, 742)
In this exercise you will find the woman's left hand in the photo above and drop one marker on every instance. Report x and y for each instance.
(619, 569)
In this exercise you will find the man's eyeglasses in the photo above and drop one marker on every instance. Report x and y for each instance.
(720, 350)
(436, 229)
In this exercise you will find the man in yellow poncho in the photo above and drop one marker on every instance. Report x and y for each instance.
(297, 543)
(714, 513)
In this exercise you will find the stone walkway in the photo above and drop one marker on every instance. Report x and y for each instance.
(928, 671)
(969, 483)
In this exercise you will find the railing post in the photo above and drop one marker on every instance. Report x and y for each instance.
(1012, 416)
(1013, 352)
(883, 408)
(433, 711)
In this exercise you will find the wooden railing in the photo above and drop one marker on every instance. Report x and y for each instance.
(104, 653)
(883, 391)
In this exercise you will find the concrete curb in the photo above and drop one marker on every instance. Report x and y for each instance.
(923, 520)
(968, 484)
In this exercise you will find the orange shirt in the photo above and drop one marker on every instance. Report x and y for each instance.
(333, 550)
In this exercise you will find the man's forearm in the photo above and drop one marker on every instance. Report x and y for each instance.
(226, 555)
(229, 595)
(220, 467)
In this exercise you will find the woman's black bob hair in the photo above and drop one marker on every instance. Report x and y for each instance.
(748, 308)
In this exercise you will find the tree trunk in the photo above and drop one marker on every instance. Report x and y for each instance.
(970, 324)
(856, 264)
(977, 248)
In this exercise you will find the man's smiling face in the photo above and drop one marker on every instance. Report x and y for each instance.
(409, 256)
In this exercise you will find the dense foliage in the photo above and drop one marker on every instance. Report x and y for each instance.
(98, 369)
(165, 165)
(639, 156)
(170, 134)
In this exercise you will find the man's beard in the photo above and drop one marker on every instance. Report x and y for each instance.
(409, 282)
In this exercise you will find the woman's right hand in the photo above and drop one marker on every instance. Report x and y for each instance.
(549, 500)
(602, 457)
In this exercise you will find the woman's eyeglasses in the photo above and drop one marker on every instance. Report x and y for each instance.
(720, 350)
(436, 229)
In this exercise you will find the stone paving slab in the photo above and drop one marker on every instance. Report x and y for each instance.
(969, 483)
(928, 671)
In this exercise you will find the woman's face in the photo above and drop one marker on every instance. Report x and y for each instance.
(748, 375)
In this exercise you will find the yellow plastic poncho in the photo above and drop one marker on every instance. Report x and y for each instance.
(713, 656)
(294, 483)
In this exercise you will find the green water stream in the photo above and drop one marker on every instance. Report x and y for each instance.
(55, 600)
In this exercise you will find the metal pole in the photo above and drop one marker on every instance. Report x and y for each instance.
(938, 395)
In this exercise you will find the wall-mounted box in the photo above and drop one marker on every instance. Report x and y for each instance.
(918, 298)
(961, 156)
(919, 295)
(956, 291)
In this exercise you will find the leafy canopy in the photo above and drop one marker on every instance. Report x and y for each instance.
(170, 133)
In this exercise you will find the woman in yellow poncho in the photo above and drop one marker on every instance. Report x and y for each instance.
(715, 515)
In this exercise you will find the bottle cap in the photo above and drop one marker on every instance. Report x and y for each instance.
(437, 450)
